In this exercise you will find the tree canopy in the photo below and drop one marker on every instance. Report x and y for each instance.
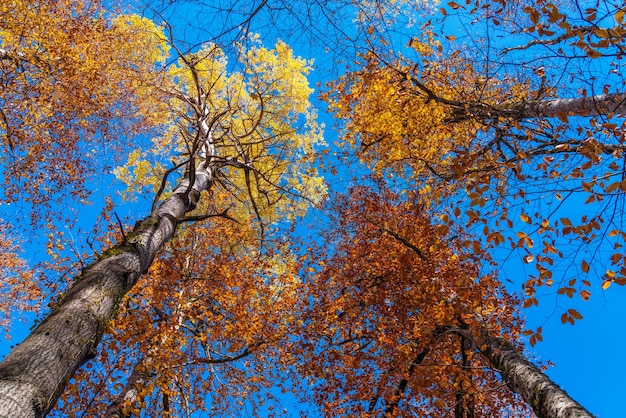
(367, 239)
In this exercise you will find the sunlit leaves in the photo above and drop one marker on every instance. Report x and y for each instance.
(569, 291)
(221, 297)
(206, 323)
(394, 282)
(138, 173)
(76, 86)
(467, 137)
(263, 129)
(535, 336)
(20, 291)
(570, 316)
(508, 151)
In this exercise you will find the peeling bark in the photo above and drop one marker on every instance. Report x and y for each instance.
(36, 372)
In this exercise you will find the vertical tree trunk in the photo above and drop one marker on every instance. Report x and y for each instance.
(545, 397)
(36, 372)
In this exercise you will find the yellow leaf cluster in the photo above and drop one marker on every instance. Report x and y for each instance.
(415, 117)
(264, 129)
(139, 174)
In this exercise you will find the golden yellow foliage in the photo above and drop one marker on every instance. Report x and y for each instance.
(263, 130)
(77, 85)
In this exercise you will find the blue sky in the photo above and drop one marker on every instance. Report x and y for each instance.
(587, 357)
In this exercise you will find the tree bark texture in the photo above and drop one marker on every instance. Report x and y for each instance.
(545, 397)
(603, 104)
(36, 372)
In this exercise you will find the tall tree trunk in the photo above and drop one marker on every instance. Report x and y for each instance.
(36, 372)
(545, 397)
(603, 104)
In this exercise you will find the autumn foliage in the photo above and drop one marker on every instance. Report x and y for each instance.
(77, 86)
(202, 327)
(463, 153)
(499, 150)
(18, 283)
(381, 337)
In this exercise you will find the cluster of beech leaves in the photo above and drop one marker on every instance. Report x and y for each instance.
(387, 303)
(202, 322)
(75, 89)
(466, 152)
(500, 143)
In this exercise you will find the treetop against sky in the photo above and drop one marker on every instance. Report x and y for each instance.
(383, 208)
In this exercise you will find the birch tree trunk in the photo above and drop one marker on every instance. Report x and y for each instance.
(545, 397)
(36, 372)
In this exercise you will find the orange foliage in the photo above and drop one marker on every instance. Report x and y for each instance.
(490, 144)
(203, 325)
(379, 325)
(18, 289)
(73, 91)
(378, 339)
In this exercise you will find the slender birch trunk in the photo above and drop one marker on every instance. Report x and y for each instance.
(36, 372)
(545, 397)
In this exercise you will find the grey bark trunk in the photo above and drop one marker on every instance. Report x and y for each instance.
(36, 372)
(545, 397)
(603, 104)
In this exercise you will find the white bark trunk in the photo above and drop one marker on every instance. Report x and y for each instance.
(545, 397)
(35, 373)
(603, 104)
